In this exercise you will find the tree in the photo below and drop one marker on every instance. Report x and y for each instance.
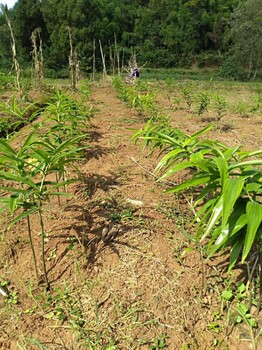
(245, 35)
(26, 17)
(5, 47)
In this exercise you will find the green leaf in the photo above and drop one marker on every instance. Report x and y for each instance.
(206, 190)
(4, 208)
(223, 235)
(4, 145)
(206, 208)
(254, 219)
(242, 309)
(186, 251)
(242, 164)
(231, 192)
(230, 151)
(253, 187)
(234, 253)
(176, 168)
(37, 343)
(22, 216)
(12, 203)
(202, 131)
(195, 182)
(227, 295)
(216, 215)
(164, 161)
(223, 169)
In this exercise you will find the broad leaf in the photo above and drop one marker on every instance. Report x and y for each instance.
(254, 219)
(216, 215)
(231, 192)
(234, 253)
(195, 182)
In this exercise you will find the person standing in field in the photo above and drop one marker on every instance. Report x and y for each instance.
(135, 73)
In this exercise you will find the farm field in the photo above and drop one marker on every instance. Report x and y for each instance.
(122, 274)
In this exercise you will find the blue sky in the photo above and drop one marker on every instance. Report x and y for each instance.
(9, 3)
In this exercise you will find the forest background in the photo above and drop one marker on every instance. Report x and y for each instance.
(162, 33)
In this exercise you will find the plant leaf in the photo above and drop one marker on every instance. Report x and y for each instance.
(254, 219)
(231, 193)
(22, 216)
(234, 253)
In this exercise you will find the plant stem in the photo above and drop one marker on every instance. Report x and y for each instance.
(260, 282)
(58, 196)
(43, 245)
(202, 273)
(32, 246)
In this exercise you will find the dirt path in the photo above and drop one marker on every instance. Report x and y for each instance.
(127, 279)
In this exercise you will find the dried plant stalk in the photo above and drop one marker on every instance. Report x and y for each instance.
(37, 54)
(73, 63)
(103, 61)
(13, 46)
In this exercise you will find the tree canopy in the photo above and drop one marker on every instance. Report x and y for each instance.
(163, 33)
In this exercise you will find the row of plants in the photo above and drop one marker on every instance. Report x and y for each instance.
(190, 95)
(39, 169)
(17, 114)
(227, 182)
(226, 186)
(136, 96)
(199, 101)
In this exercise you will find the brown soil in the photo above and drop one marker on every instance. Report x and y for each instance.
(114, 258)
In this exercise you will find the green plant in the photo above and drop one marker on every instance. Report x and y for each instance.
(159, 342)
(143, 102)
(33, 341)
(228, 182)
(119, 216)
(6, 81)
(203, 100)
(12, 298)
(220, 105)
(243, 110)
(68, 117)
(17, 116)
(187, 91)
(27, 169)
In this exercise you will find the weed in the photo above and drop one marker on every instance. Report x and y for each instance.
(159, 342)
(12, 298)
(7, 81)
(17, 116)
(243, 110)
(121, 216)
